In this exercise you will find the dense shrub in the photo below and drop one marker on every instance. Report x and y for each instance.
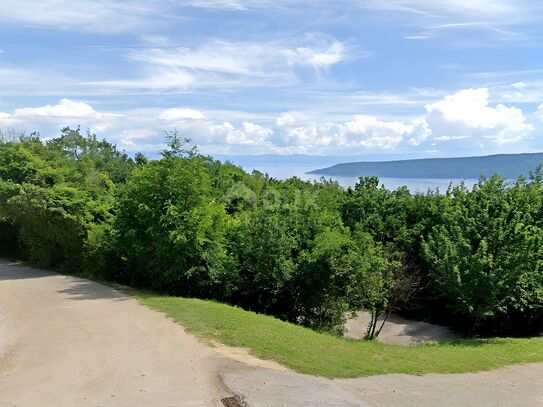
(306, 252)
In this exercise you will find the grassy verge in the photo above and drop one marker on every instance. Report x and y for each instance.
(320, 354)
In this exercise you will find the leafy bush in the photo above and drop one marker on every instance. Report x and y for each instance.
(305, 252)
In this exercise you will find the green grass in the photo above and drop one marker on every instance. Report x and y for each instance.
(314, 353)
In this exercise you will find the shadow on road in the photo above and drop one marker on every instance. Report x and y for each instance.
(81, 289)
(14, 270)
(78, 288)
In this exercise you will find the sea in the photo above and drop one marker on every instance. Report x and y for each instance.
(415, 185)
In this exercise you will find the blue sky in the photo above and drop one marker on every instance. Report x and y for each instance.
(362, 77)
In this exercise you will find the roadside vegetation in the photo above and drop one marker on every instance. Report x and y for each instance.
(321, 354)
(307, 253)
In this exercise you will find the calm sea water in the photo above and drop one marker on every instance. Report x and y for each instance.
(414, 184)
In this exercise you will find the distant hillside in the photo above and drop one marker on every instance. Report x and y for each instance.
(507, 165)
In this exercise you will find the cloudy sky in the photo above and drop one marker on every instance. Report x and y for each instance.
(320, 77)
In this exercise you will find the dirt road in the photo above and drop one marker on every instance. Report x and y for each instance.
(66, 341)
(71, 342)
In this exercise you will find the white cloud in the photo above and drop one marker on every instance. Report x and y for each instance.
(49, 119)
(539, 112)
(450, 138)
(143, 129)
(488, 10)
(321, 56)
(7, 120)
(220, 4)
(465, 118)
(503, 11)
(285, 119)
(17, 80)
(65, 108)
(417, 37)
(221, 64)
(81, 15)
(162, 79)
(528, 91)
(518, 85)
(468, 113)
(419, 133)
(360, 133)
(180, 113)
(230, 58)
(110, 16)
(217, 64)
(368, 131)
(256, 132)
(501, 19)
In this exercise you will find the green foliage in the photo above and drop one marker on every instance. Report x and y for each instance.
(8, 238)
(308, 253)
(486, 257)
(310, 352)
(170, 232)
(52, 194)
